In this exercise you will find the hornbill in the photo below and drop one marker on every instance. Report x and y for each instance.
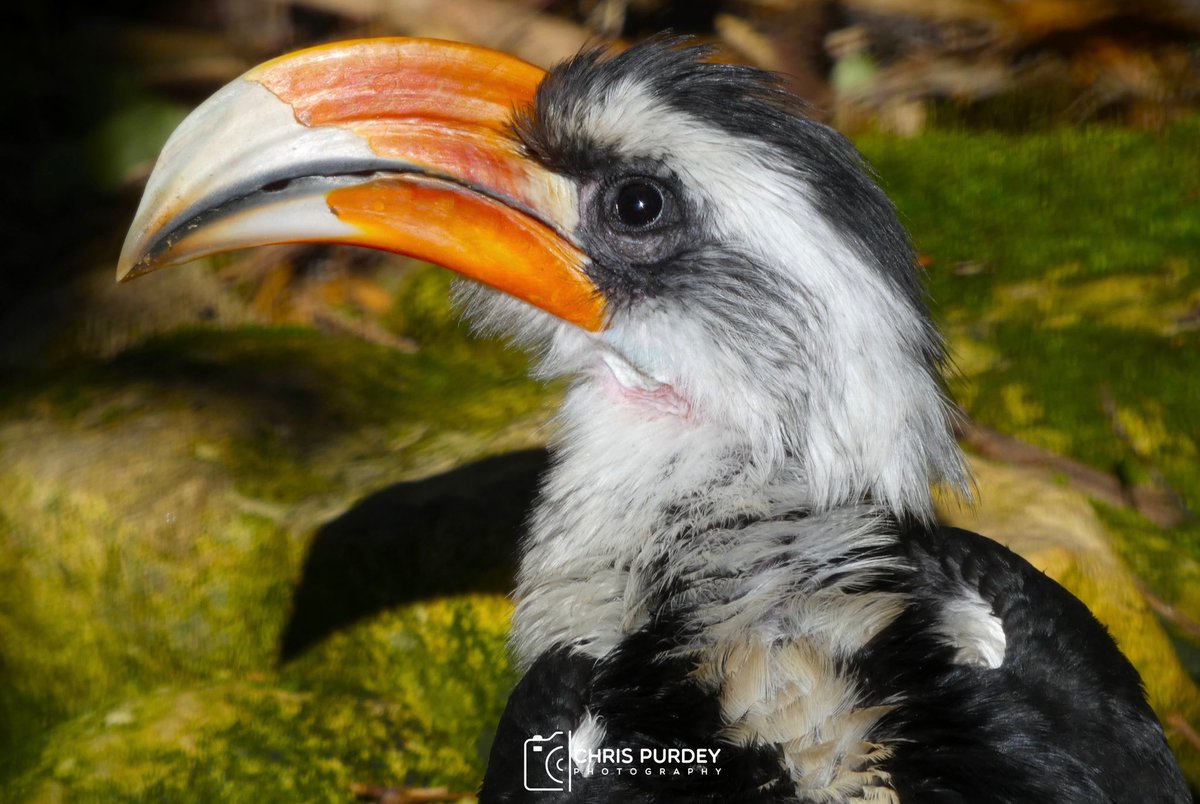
(734, 549)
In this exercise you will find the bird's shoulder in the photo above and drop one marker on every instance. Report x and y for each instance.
(1062, 709)
(1039, 617)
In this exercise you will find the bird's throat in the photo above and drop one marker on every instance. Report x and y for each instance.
(634, 386)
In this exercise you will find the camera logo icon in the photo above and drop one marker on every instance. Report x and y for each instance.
(548, 763)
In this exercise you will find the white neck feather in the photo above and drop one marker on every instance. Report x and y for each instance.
(625, 483)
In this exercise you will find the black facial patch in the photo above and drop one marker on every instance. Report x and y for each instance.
(637, 226)
(745, 102)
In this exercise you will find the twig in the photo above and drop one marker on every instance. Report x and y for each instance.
(329, 320)
(1168, 612)
(755, 46)
(1153, 504)
(1179, 723)
(519, 29)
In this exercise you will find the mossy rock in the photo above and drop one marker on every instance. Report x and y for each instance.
(412, 698)
(158, 514)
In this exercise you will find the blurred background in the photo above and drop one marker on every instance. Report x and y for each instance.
(258, 515)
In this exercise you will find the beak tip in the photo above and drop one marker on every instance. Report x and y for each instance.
(133, 259)
(129, 268)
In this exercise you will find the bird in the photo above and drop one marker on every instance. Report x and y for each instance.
(733, 586)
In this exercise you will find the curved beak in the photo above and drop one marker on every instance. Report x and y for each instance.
(404, 145)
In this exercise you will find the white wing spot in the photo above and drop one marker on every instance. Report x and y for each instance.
(969, 626)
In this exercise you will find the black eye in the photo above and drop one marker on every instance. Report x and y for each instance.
(639, 203)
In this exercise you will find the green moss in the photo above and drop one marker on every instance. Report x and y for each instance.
(1066, 375)
(1166, 560)
(91, 609)
(158, 508)
(1110, 200)
(443, 662)
(409, 698)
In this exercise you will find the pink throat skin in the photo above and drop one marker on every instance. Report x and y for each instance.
(663, 399)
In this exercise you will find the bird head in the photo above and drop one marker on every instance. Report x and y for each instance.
(672, 233)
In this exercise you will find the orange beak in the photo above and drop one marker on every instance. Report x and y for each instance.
(404, 145)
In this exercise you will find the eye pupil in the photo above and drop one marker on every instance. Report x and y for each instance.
(639, 203)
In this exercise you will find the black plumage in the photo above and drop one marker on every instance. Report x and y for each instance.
(1064, 719)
